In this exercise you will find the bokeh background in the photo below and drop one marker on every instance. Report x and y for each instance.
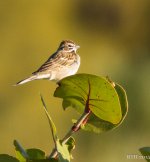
(115, 40)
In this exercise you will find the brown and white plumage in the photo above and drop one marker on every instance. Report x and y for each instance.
(64, 62)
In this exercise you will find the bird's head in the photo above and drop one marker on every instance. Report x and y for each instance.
(68, 46)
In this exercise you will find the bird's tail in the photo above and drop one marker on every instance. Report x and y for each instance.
(33, 77)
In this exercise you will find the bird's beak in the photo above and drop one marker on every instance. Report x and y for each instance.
(77, 46)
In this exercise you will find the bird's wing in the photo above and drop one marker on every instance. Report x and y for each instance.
(57, 61)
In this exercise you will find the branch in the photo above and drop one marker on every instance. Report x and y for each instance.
(82, 120)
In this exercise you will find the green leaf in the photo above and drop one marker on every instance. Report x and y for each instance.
(62, 149)
(51, 123)
(92, 128)
(145, 151)
(123, 101)
(21, 154)
(7, 158)
(71, 144)
(86, 91)
(63, 152)
(35, 153)
(98, 126)
(31, 155)
(44, 160)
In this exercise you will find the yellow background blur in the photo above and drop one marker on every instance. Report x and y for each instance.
(115, 40)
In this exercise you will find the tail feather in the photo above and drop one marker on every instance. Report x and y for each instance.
(26, 80)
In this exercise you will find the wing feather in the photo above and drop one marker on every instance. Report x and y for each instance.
(57, 61)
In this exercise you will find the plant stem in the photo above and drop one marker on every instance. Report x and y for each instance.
(74, 129)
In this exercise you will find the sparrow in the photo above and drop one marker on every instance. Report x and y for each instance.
(64, 62)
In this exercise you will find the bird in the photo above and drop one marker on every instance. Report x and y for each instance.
(64, 62)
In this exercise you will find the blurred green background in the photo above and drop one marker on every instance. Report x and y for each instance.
(115, 40)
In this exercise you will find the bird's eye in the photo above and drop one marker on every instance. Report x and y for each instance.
(69, 45)
(61, 47)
